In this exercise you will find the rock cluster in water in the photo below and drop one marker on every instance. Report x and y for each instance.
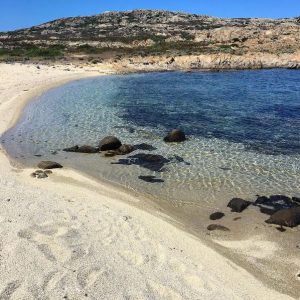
(282, 210)
(112, 146)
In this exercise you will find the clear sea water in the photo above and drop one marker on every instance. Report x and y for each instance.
(243, 131)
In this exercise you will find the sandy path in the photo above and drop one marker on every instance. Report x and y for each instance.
(62, 238)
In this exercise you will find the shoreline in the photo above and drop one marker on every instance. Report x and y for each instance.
(65, 178)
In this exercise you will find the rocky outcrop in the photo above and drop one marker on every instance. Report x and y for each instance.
(169, 37)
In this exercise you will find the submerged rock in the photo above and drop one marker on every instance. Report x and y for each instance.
(49, 165)
(109, 143)
(269, 205)
(144, 147)
(238, 204)
(152, 162)
(176, 135)
(82, 149)
(151, 179)
(289, 217)
(124, 149)
(216, 216)
(213, 227)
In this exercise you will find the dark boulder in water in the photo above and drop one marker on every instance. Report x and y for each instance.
(124, 149)
(213, 227)
(269, 205)
(216, 216)
(49, 165)
(109, 143)
(175, 136)
(152, 162)
(151, 179)
(289, 217)
(238, 204)
(82, 149)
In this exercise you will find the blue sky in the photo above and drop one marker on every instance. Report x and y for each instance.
(16, 14)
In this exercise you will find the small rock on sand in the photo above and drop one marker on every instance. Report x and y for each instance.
(216, 216)
(151, 179)
(238, 205)
(213, 227)
(49, 165)
(40, 174)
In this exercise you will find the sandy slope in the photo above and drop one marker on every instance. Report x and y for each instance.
(67, 236)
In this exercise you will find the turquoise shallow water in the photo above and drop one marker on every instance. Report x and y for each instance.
(243, 132)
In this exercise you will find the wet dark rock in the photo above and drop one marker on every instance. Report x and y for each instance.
(124, 149)
(281, 229)
(181, 160)
(216, 216)
(289, 217)
(152, 162)
(110, 154)
(151, 179)
(82, 149)
(49, 165)
(48, 172)
(109, 143)
(238, 204)
(269, 205)
(144, 147)
(213, 227)
(280, 198)
(176, 135)
(296, 199)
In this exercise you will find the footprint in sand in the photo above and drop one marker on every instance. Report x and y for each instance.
(132, 258)
(160, 291)
(9, 290)
(88, 276)
(56, 242)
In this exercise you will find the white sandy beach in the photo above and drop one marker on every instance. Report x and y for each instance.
(70, 237)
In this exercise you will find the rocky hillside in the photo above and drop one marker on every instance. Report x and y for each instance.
(152, 32)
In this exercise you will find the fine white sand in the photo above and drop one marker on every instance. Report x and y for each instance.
(70, 237)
